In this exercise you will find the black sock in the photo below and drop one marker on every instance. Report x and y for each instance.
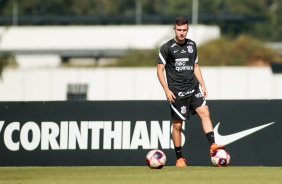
(210, 137)
(178, 152)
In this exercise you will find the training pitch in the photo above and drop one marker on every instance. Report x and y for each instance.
(140, 174)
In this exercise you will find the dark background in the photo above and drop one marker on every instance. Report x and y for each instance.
(262, 148)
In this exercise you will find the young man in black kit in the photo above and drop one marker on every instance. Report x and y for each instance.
(184, 86)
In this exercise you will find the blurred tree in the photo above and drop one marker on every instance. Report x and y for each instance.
(179, 8)
(137, 58)
(242, 51)
(6, 59)
(259, 18)
(275, 27)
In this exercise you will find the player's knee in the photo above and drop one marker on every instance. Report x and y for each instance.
(203, 111)
(177, 125)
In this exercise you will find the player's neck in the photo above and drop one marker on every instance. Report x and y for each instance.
(179, 41)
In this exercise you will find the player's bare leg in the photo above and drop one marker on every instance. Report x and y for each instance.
(176, 132)
(176, 137)
(204, 115)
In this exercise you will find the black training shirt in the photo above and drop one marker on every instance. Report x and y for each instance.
(179, 60)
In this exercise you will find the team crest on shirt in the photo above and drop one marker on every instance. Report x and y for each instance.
(190, 49)
(183, 110)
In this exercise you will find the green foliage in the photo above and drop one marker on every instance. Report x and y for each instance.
(6, 59)
(137, 58)
(179, 8)
(242, 51)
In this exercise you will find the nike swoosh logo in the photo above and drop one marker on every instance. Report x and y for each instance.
(227, 139)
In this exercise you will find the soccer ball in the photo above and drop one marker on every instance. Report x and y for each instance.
(156, 159)
(220, 157)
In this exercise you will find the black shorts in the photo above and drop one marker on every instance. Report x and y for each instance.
(181, 108)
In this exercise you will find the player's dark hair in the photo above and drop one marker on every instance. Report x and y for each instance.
(180, 21)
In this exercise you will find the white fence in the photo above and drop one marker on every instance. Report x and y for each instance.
(134, 83)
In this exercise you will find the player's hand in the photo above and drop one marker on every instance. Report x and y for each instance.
(205, 92)
(170, 96)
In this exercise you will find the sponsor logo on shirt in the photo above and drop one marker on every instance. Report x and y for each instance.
(182, 94)
(182, 59)
(199, 95)
(181, 64)
(175, 51)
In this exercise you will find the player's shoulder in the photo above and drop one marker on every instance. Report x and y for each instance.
(168, 44)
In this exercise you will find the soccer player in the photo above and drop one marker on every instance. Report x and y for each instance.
(184, 86)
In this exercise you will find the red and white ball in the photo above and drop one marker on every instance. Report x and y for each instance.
(220, 157)
(156, 159)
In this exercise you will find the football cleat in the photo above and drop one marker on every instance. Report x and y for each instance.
(215, 146)
(181, 162)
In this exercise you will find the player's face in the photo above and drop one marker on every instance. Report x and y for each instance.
(181, 32)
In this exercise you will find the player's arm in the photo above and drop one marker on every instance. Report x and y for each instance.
(198, 74)
(160, 72)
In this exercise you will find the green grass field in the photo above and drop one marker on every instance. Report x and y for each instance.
(140, 174)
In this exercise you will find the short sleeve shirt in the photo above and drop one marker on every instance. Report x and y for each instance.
(179, 60)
